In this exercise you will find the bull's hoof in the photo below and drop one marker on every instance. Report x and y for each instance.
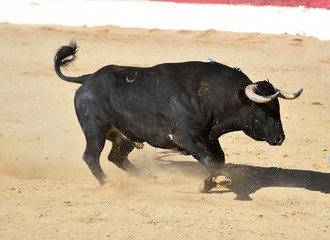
(212, 182)
(102, 179)
(206, 185)
(222, 181)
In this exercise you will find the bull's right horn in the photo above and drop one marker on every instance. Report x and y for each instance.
(289, 96)
(251, 90)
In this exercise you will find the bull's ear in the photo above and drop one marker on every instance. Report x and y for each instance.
(243, 98)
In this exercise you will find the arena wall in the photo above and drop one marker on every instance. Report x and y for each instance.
(236, 16)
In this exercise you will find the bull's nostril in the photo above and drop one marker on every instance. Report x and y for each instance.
(280, 140)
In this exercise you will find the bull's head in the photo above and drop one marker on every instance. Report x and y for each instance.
(263, 122)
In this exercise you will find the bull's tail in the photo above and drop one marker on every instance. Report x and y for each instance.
(61, 60)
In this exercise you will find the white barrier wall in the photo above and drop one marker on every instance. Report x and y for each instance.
(165, 15)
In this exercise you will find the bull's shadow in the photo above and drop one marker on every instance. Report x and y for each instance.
(248, 179)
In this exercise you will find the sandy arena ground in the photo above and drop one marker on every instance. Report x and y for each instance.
(47, 191)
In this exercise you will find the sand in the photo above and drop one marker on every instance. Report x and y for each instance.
(47, 191)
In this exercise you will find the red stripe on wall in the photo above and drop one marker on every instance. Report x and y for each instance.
(280, 3)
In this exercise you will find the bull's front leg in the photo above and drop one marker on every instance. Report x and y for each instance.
(213, 163)
(212, 181)
(210, 154)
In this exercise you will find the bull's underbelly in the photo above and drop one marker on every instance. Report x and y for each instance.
(153, 130)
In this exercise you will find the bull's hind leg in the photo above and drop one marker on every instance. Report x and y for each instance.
(94, 124)
(94, 145)
(121, 147)
(95, 133)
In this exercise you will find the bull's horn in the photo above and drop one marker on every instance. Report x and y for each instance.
(289, 96)
(250, 92)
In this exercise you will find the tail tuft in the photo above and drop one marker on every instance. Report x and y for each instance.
(64, 52)
(62, 59)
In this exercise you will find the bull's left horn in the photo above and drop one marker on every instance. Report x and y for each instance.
(251, 90)
(289, 96)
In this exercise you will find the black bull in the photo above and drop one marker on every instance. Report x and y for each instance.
(183, 106)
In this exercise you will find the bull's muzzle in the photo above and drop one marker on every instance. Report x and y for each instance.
(277, 141)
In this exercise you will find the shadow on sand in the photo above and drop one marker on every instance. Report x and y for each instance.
(248, 179)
